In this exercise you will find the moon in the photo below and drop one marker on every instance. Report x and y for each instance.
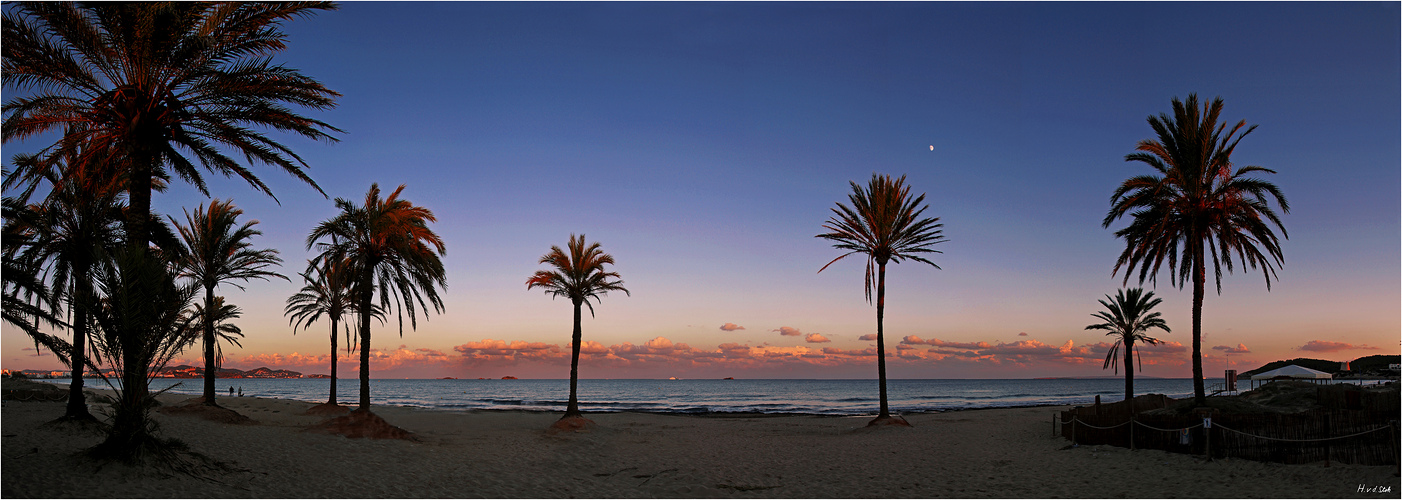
(932, 147)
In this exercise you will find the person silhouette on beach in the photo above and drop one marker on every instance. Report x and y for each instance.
(231, 390)
(240, 391)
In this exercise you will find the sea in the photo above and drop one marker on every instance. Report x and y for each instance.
(696, 396)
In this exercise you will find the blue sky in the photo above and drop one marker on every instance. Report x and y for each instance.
(704, 143)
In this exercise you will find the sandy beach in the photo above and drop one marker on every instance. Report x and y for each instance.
(976, 453)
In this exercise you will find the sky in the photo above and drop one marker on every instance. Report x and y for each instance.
(704, 145)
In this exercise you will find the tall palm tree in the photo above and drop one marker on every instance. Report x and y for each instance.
(217, 250)
(147, 87)
(72, 232)
(387, 244)
(1196, 210)
(885, 224)
(580, 277)
(327, 293)
(1127, 318)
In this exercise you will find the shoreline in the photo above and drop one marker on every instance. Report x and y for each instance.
(989, 453)
(772, 400)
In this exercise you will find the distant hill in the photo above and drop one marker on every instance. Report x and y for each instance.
(1323, 365)
(1373, 364)
(1366, 364)
(187, 371)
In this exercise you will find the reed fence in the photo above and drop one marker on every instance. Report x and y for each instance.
(1361, 436)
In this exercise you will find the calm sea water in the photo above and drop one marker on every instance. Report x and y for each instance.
(824, 397)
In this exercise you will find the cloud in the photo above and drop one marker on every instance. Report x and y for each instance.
(1022, 334)
(1163, 347)
(849, 352)
(871, 337)
(730, 327)
(1239, 349)
(815, 338)
(592, 347)
(787, 331)
(733, 350)
(914, 340)
(492, 347)
(1326, 346)
(280, 361)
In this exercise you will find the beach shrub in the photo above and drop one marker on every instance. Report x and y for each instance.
(142, 323)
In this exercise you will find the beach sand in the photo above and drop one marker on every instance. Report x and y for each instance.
(977, 453)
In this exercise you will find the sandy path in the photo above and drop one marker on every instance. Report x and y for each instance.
(983, 453)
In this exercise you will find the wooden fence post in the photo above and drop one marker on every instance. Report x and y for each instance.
(1131, 433)
(1207, 435)
(1392, 429)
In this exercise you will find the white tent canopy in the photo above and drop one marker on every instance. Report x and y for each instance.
(1292, 371)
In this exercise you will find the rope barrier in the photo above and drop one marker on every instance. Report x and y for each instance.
(1142, 424)
(1303, 440)
(1075, 420)
(1102, 428)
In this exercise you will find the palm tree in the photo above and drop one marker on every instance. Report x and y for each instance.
(1196, 210)
(884, 223)
(327, 293)
(142, 324)
(27, 303)
(71, 233)
(1127, 318)
(220, 317)
(25, 300)
(388, 246)
(579, 276)
(216, 250)
(139, 86)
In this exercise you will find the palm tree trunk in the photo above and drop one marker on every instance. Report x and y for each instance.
(1199, 276)
(77, 404)
(880, 337)
(210, 370)
(129, 421)
(367, 294)
(332, 400)
(572, 410)
(1129, 371)
(139, 202)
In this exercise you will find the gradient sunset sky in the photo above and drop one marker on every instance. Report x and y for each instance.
(703, 144)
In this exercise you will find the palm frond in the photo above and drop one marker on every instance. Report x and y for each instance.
(885, 224)
(578, 274)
